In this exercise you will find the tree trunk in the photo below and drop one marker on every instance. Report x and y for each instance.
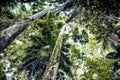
(9, 34)
(53, 65)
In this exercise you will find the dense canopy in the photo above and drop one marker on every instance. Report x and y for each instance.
(59, 40)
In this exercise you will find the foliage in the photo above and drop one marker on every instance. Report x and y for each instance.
(90, 44)
(84, 48)
(34, 45)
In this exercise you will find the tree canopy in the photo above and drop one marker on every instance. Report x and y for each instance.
(59, 39)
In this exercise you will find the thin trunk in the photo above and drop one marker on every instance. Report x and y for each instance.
(52, 67)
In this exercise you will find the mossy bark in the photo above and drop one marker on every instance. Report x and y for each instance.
(53, 65)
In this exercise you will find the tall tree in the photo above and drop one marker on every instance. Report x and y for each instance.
(94, 27)
(53, 65)
(9, 34)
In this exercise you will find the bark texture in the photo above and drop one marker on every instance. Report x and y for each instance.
(9, 34)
